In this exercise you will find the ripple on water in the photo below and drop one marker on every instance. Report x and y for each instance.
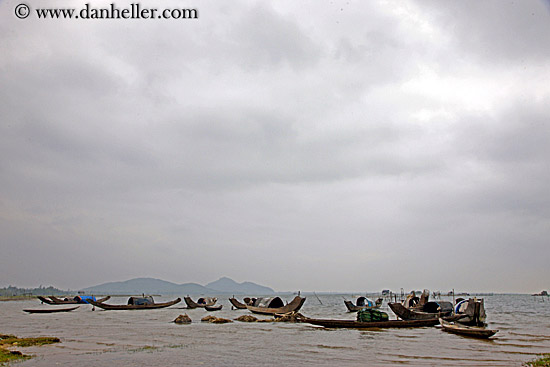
(149, 337)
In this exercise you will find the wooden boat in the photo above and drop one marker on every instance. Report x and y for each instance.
(242, 306)
(473, 331)
(51, 310)
(352, 324)
(52, 300)
(201, 302)
(213, 308)
(136, 303)
(363, 302)
(430, 310)
(275, 305)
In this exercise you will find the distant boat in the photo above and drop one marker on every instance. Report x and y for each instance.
(363, 302)
(51, 310)
(52, 300)
(136, 303)
(275, 305)
(201, 302)
(473, 331)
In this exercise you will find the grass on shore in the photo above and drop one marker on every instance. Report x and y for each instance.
(7, 355)
(543, 361)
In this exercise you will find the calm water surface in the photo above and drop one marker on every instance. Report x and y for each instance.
(145, 338)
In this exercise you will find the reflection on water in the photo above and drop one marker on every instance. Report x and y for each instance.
(122, 338)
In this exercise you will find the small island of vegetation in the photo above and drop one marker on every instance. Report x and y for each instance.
(7, 355)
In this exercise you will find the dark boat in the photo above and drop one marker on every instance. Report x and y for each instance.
(51, 310)
(136, 303)
(213, 308)
(430, 310)
(201, 302)
(242, 306)
(275, 305)
(52, 300)
(351, 324)
(363, 302)
(473, 331)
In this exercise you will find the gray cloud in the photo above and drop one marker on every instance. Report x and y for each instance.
(312, 139)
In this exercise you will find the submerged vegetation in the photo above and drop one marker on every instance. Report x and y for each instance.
(543, 361)
(6, 341)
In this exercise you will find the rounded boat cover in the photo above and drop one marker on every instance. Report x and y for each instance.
(273, 302)
(461, 306)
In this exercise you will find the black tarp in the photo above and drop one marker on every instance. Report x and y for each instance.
(273, 302)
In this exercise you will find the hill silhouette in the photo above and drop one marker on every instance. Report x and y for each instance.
(158, 286)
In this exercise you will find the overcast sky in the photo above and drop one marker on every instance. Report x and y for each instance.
(302, 145)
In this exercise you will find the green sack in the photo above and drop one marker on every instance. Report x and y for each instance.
(370, 315)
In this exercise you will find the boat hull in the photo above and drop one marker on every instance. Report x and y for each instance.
(351, 324)
(238, 305)
(471, 331)
(150, 306)
(51, 310)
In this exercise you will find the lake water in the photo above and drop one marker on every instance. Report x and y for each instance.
(146, 338)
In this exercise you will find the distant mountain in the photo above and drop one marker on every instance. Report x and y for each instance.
(158, 286)
(147, 285)
(227, 285)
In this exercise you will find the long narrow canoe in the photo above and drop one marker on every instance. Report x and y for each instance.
(201, 302)
(52, 300)
(351, 324)
(473, 331)
(149, 306)
(51, 310)
(293, 306)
